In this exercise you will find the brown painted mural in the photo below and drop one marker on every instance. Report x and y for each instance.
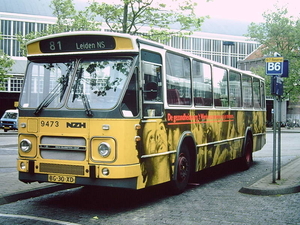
(218, 135)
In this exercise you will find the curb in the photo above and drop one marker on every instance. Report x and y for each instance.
(34, 193)
(282, 191)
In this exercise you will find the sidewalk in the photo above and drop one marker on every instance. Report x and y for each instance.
(289, 182)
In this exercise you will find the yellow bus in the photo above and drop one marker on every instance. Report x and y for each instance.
(114, 110)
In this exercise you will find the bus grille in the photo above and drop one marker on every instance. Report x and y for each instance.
(61, 169)
(63, 148)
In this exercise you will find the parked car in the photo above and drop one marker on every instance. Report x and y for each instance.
(9, 120)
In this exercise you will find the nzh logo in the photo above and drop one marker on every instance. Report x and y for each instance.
(76, 125)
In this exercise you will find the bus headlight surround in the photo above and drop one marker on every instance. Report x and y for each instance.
(104, 149)
(25, 145)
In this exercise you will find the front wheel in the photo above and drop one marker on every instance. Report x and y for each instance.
(181, 180)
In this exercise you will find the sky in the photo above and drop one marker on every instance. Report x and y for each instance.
(244, 10)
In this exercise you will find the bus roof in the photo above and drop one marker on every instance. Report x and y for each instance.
(84, 42)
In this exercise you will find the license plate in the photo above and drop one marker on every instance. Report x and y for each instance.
(61, 179)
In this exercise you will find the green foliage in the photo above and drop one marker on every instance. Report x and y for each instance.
(5, 66)
(128, 17)
(68, 19)
(132, 15)
(280, 33)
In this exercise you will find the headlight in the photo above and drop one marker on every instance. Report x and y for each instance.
(25, 145)
(104, 149)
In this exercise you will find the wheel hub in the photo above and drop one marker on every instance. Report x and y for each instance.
(183, 168)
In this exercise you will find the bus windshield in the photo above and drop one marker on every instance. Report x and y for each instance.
(82, 84)
(101, 82)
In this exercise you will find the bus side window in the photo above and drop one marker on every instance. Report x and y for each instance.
(202, 82)
(256, 93)
(173, 97)
(247, 91)
(220, 85)
(235, 95)
(178, 76)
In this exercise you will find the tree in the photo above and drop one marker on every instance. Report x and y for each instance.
(280, 34)
(68, 19)
(127, 17)
(130, 16)
(5, 66)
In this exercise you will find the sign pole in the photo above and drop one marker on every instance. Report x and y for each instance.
(274, 141)
(277, 67)
(279, 137)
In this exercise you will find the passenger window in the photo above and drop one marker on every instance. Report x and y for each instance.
(202, 84)
(220, 86)
(178, 80)
(247, 91)
(235, 94)
(256, 93)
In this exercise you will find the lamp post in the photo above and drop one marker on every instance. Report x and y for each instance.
(229, 44)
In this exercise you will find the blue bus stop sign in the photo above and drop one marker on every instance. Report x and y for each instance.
(274, 66)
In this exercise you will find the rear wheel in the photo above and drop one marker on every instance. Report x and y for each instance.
(246, 160)
(180, 183)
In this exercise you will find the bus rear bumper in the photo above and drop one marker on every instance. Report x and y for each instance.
(129, 183)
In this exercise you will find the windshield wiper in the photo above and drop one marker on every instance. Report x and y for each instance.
(65, 82)
(77, 83)
(49, 98)
(78, 88)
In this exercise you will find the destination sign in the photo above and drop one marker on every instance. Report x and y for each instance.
(274, 59)
(77, 43)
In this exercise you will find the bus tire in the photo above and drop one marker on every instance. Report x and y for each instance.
(180, 181)
(247, 159)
